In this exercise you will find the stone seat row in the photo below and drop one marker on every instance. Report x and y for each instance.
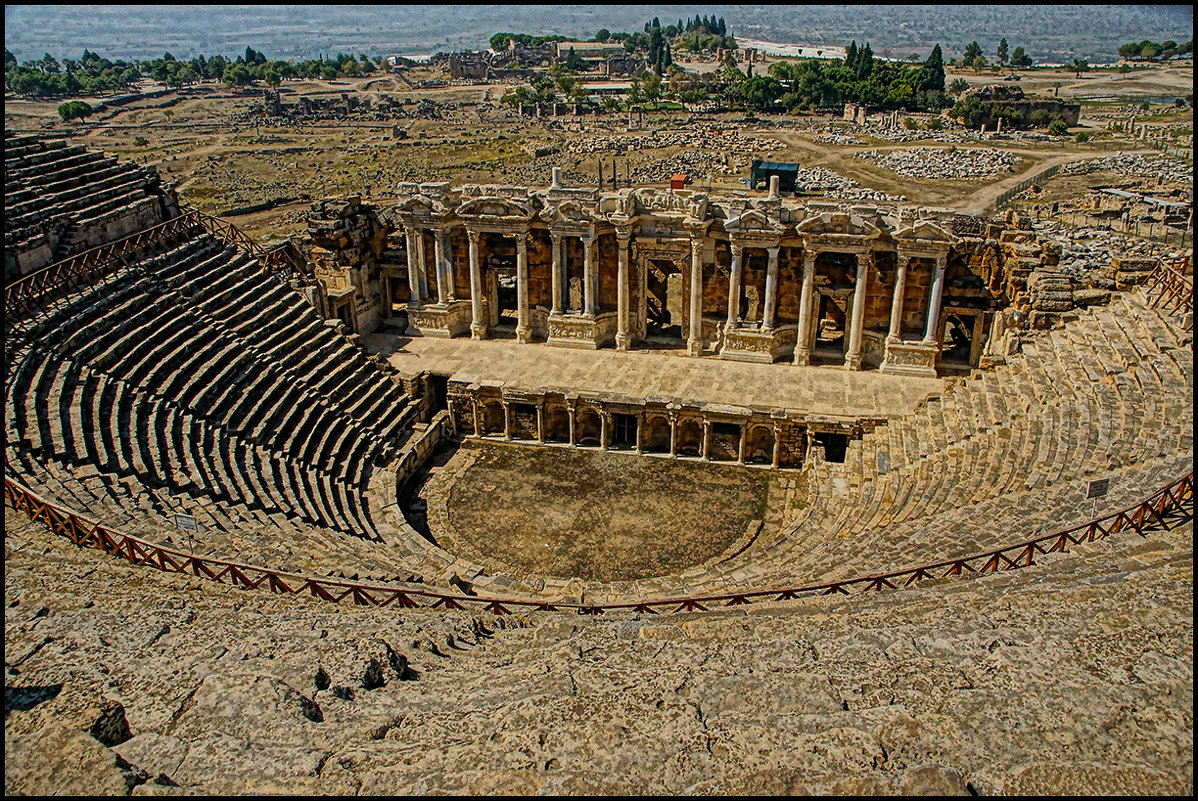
(1054, 374)
(81, 204)
(153, 341)
(27, 196)
(225, 530)
(1024, 429)
(62, 410)
(278, 323)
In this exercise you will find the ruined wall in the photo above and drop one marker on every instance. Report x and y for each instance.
(345, 246)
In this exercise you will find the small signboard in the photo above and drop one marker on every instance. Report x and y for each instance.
(1098, 488)
(185, 522)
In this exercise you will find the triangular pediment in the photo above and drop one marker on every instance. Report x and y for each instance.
(753, 221)
(417, 204)
(494, 208)
(571, 212)
(925, 232)
(838, 225)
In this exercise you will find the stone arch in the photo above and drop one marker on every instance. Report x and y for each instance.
(493, 418)
(556, 424)
(656, 438)
(759, 448)
(588, 427)
(690, 437)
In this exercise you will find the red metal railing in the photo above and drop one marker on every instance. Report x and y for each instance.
(1175, 500)
(30, 295)
(1170, 290)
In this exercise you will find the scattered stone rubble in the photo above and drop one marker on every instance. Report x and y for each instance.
(833, 184)
(1135, 165)
(950, 163)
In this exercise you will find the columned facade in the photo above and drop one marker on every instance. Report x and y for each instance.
(807, 284)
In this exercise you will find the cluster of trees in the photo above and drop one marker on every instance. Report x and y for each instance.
(47, 77)
(1148, 49)
(975, 58)
(94, 75)
(973, 112)
(502, 41)
(657, 43)
(821, 85)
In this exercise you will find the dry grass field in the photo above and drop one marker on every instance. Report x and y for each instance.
(207, 140)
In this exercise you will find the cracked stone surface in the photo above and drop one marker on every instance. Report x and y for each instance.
(1071, 677)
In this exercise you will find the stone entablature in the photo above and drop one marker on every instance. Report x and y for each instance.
(662, 426)
(755, 279)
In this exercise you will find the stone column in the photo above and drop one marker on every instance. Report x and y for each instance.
(523, 331)
(734, 286)
(640, 424)
(852, 359)
(934, 301)
(673, 435)
(450, 277)
(803, 340)
(540, 423)
(694, 342)
(507, 420)
(622, 337)
(439, 258)
(478, 423)
(478, 327)
(896, 304)
(588, 276)
(740, 449)
(413, 269)
(573, 411)
(771, 290)
(556, 275)
(777, 456)
(703, 451)
(603, 430)
(422, 270)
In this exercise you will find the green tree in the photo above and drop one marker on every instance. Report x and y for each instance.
(652, 88)
(979, 63)
(237, 75)
(958, 87)
(1020, 59)
(933, 70)
(1002, 52)
(1058, 128)
(74, 110)
(972, 51)
(603, 35)
(1079, 66)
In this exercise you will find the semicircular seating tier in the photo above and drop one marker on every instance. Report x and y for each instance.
(191, 381)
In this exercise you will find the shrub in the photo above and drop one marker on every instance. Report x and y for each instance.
(1058, 128)
(1083, 137)
(76, 109)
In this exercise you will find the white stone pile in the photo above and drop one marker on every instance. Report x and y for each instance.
(717, 140)
(1087, 250)
(833, 184)
(1135, 165)
(838, 138)
(950, 163)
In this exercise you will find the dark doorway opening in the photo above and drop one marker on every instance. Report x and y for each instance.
(664, 300)
(835, 446)
(623, 431)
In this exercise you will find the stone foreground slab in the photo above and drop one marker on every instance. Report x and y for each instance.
(829, 391)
